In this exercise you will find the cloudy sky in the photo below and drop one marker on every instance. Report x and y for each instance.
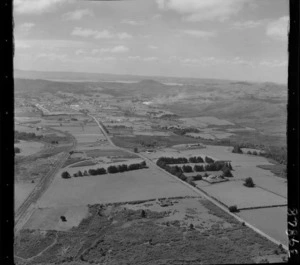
(226, 39)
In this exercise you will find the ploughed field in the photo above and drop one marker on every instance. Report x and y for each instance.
(182, 230)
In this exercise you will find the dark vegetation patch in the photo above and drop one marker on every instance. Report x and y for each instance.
(126, 236)
(25, 136)
(277, 169)
(30, 242)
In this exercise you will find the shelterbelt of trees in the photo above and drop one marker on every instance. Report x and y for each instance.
(183, 160)
(26, 136)
(279, 154)
(178, 171)
(102, 171)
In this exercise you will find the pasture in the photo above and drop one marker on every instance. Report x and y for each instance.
(235, 193)
(128, 186)
(28, 148)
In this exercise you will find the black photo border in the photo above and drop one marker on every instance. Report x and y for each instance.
(7, 130)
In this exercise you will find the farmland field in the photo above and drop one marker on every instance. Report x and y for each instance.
(128, 186)
(235, 193)
(163, 234)
(28, 148)
(260, 218)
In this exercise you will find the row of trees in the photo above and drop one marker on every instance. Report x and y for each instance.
(178, 171)
(183, 131)
(27, 136)
(212, 166)
(183, 160)
(195, 159)
(103, 171)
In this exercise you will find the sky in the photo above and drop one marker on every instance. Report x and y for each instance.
(220, 39)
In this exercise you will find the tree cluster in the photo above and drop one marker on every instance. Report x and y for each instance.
(233, 209)
(195, 159)
(65, 175)
(237, 149)
(209, 160)
(187, 169)
(249, 182)
(176, 171)
(17, 150)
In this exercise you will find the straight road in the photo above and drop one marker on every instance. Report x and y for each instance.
(202, 194)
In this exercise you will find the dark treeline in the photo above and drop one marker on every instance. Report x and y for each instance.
(178, 171)
(279, 154)
(183, 160)
(27, 136)
(103, 171)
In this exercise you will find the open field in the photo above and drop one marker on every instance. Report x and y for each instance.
(235, 193)
(271, 220)
(49, 218)
(121, 234)
(108, 153)
(22, 190)
(128, 186)
(28, 147)
(88, 134)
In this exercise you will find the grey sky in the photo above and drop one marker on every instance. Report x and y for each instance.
(228, 39)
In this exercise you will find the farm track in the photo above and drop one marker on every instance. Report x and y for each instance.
(150, 162)
(23, 212)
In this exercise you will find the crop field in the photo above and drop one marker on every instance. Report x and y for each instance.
(271, 220)
(128, 186)
(235, 193)
(108, 153)
(28, 147)
(171, 231)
